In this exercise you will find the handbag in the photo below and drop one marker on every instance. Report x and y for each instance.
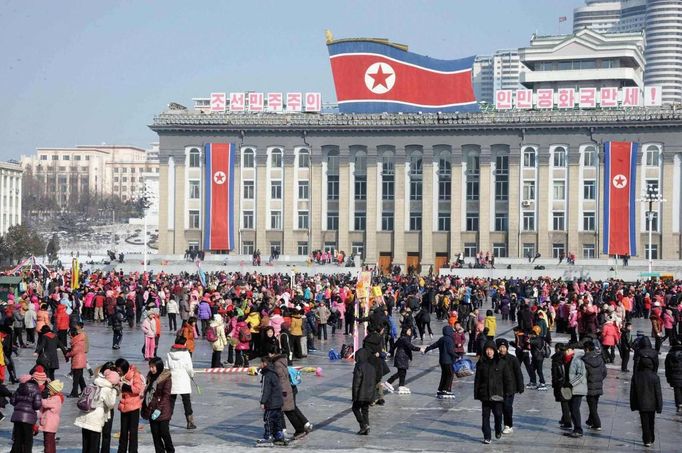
(566, 393)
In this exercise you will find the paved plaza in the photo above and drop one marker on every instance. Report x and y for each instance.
(228, 415)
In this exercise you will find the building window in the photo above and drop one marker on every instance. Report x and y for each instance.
(332, 221)
(589, 221)
(303, 193)
(303, 162)
(115, 178)
(194, 189)
(652, 156)
(528, 250)
(249, 158)
(329, 246)
(43, 157)
(360, 221)
(247, 220)
(415, 189)
(194, 158)
(499, 250)
(501, 222)
(302, 220)
(443, 221)
(66, 157)
(590, 157)
(275, 246)
(590, 189)
(332, 187)
(470, 249)
(249, 192)
(357, 248)
(472, 190)
(444, 189)
(360, 187)
(387, 221)
(588, 251)
(276, 158)
(559, 157)
(275, 220)
(77, 157)
(194, 219)
(472, 221)
(558, 250)
(651, 223)
(248, 248)
(57, 158)
(528, 221)
(302, 248)
(651, 250)
(528, 190)
(276, 190)
(502, 178)
(558, 221)
(559, 190)
(387, 188)
(529, 158)
(415, 221)
(472, 177)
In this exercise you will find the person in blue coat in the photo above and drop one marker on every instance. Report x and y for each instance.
(446, 357)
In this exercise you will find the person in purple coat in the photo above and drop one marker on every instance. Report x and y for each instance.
(205, 315)
(26, 401)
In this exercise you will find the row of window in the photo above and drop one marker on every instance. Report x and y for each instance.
(302, 247)
(132, 170)
(64, 157)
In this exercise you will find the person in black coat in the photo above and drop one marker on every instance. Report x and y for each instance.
(492, 381)
(374, 343)
(673, 373)
(511, 363)
(525, 318)
(402, 359)
(446, 357)
(596, 373)
(26, 401)
(558, 378)
(646, 397)
(271, 401)
(364, 388)
(46, 350)
(643, 348)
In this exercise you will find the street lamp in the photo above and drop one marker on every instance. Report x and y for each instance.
(649, 197)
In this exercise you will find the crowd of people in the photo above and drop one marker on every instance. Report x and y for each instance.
(277, 320)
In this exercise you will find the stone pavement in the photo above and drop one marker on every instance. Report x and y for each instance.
(228, 415)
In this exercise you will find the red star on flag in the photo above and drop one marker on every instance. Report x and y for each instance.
(620, 181)
(380, 77)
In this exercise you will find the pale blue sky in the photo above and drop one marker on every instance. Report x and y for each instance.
(86, 72)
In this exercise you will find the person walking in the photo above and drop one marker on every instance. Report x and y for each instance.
(179, 364)
(646, 397)
(577, 383)
(218, 327)
(172, 310)
(271, 402)
(673, 373)
(91, 422)
(625, 346)
(363, 389)
(298, 421)
(446, 357)
(401, 360)
(46, 350)
(132, 389)
(491, 382)
(26, 401)
(610, 338)
(157, 405)
(78, 361)
(558, 382)
(517, 386)
(596, 373)
(537, 354)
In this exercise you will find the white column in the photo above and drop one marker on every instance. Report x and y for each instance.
(19, 195)
(3, 209)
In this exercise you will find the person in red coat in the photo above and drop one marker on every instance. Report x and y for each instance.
(610, 337)
(79, 361)
(62, 323)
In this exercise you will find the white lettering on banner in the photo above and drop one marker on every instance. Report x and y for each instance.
(256, 102)
(294, 102)
(218, 102)
(275, 102)
(586, 98)
(503, 99)
(237, 102)
(652, 95)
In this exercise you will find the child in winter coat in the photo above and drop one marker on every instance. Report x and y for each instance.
(490, 324)
(402, 359)
(49, 415)
(271, 402)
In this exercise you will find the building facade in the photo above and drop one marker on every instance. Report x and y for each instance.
(500, 71)
(611, 16)
(417, 189)
(10, 195)
(69, 174)
(586, 59)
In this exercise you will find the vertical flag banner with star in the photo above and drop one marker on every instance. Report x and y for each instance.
(219, 196)
(375, 76)
(620, 172)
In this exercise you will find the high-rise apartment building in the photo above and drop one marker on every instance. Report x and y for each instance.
(500, 71)
(611, 16)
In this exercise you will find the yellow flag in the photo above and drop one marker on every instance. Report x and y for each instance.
(75, 273)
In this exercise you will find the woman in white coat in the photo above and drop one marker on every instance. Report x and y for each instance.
(219, 344)
(91, 423)
(179, 362)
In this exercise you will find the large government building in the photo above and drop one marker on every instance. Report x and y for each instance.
(418, 189)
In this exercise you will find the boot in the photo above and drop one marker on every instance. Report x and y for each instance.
(190, 422)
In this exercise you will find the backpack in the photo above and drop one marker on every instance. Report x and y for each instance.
(463, 367)
(211, 335)
(88, 400)
(333, 355)
(546, 350)
(294, 376)
(244, 335)
(346, 351)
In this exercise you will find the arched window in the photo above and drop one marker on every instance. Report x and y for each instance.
(194, 158)
(303, 158)
(529, 157)
(590, 156)
(559, 157)
(652, 155)
(276, 158)
(248, 158)
(415, 164)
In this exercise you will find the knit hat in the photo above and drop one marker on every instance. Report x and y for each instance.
(112, 377)
(55, 386)
(39, 375)
(537, 330)
(502, 342)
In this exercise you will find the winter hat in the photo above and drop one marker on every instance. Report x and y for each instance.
(23, 379)
(537, 330)
(502, 342)
(39, 375)
(55, 386)
(112, 377)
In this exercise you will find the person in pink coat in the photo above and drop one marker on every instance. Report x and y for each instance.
(50, 413)
(276, 321)
(610, 337)
(149, 330)
(241, 330)
(79, 361)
